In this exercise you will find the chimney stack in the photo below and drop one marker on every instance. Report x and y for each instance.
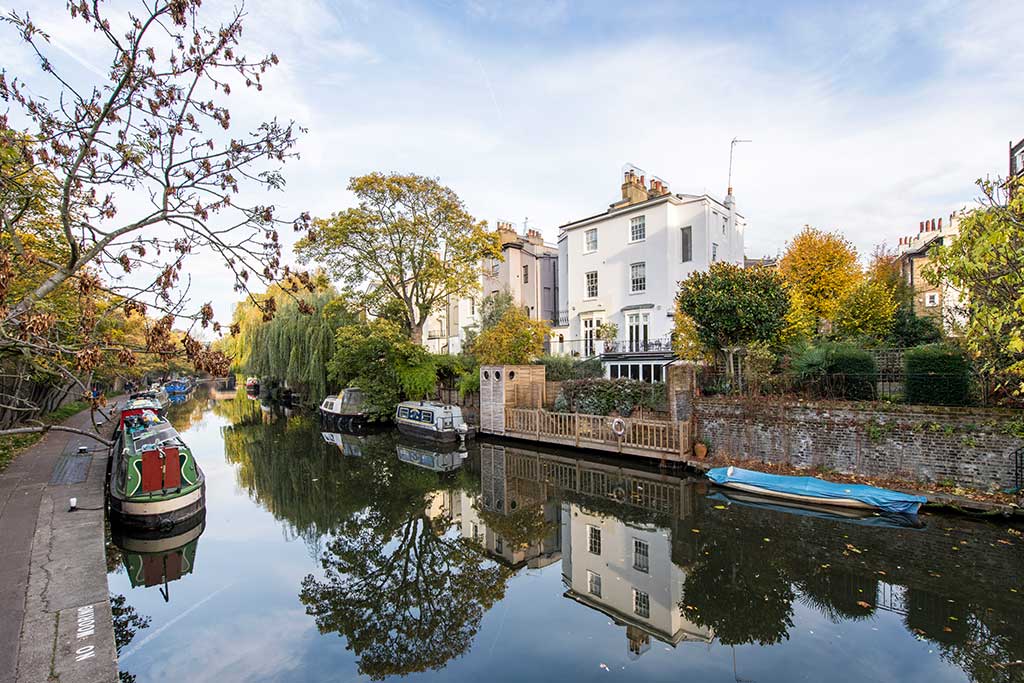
(633, 189)
(940, 224)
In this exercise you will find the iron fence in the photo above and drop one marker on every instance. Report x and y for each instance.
(876, 386)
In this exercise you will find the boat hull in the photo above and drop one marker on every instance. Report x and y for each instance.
(795, 497)
(425, 432)
(161, 514)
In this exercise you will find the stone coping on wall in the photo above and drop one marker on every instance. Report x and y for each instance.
(768, 402)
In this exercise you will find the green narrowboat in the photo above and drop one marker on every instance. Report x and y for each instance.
(155, 481)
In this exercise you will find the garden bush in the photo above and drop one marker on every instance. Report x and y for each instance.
(831, 370)
(561, 368)
(596, 396)
(937, 374)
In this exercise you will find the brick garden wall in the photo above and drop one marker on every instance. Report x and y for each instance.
(968, 446)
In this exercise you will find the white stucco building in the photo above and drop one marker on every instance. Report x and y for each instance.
(623, 266)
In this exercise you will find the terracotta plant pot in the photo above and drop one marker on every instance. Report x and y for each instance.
(700, 450)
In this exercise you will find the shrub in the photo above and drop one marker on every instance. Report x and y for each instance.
(604, 396)
(937, 374)
(831, 370)
(561, 368)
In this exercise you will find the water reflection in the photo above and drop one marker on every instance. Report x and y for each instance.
(410, 547)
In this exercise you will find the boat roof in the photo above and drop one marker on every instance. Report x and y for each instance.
(160, 434)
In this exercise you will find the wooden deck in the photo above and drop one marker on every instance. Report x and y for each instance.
(655, 439)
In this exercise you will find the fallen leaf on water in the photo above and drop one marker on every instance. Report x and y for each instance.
(865, 605)
(947, 629)
(719, 507)
(953, 619)
(696, 531)
(767, 540)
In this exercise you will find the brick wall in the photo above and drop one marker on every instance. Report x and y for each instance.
(968, 446)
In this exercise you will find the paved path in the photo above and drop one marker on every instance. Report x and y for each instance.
(53, 581)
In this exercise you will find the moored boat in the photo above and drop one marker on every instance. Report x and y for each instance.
(155, 558)
(812, 490)
(432, 420)
(155, 481)
(345, 411)
(177, 386)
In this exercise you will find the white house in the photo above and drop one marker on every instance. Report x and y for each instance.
(623, 266)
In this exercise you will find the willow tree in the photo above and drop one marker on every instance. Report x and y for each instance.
(115, 184)
(295, 345)
(409, 242)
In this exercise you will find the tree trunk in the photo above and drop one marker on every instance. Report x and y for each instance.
(416, 333)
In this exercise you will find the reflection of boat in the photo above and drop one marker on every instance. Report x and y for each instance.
(858, 516)
(443, 461)
(344, 411)
(431, 420)
(811, 490)
(178, 399)
(348, 444)
(155, 481)
(157, 558)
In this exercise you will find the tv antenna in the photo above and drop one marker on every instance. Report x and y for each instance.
(732, 147)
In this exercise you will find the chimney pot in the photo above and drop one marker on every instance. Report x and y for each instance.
(940, 224)
(920, 227)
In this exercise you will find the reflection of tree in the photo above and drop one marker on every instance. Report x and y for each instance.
(519, 529)
(406, 602)
(127, 623)
(739, 590)
(837, 594)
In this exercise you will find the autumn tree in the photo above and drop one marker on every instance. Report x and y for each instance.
(115, 184)
(515, 339)
(867, 312)
(820, 269)
(410, 240)
(985, 263)
(731, 306)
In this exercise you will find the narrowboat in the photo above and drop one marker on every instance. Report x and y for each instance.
(432, 420)
(345, 411)
(144, 404)
(155, 481)
(816, 491)
(152, 558)
(154, 394)
(177, 386)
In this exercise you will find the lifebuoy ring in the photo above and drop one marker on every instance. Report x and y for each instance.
(619, 426)
(619, 493)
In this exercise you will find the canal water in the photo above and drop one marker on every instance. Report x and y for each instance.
(328, 557)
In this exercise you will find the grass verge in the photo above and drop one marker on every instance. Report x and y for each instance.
(12, 446)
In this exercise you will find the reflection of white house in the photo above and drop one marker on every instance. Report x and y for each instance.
(627, 573)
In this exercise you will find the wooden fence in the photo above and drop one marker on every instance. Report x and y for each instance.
(651, 438)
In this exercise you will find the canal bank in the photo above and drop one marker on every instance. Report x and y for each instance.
(53, 590)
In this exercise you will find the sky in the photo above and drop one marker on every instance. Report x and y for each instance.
(865, 117)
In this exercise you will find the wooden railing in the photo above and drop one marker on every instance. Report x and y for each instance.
(596, 431)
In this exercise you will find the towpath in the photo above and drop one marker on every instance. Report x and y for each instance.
(56, 620)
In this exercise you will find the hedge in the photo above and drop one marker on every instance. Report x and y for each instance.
(937, 374)
(604, 396)
(837, 371)
(561, 368)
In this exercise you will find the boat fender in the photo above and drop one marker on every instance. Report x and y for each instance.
(728, 472)
(619, 426)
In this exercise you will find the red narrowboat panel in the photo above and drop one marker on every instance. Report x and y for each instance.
(172, 477)
(152, 471)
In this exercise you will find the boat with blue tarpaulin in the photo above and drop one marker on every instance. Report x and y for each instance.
(817, 491)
